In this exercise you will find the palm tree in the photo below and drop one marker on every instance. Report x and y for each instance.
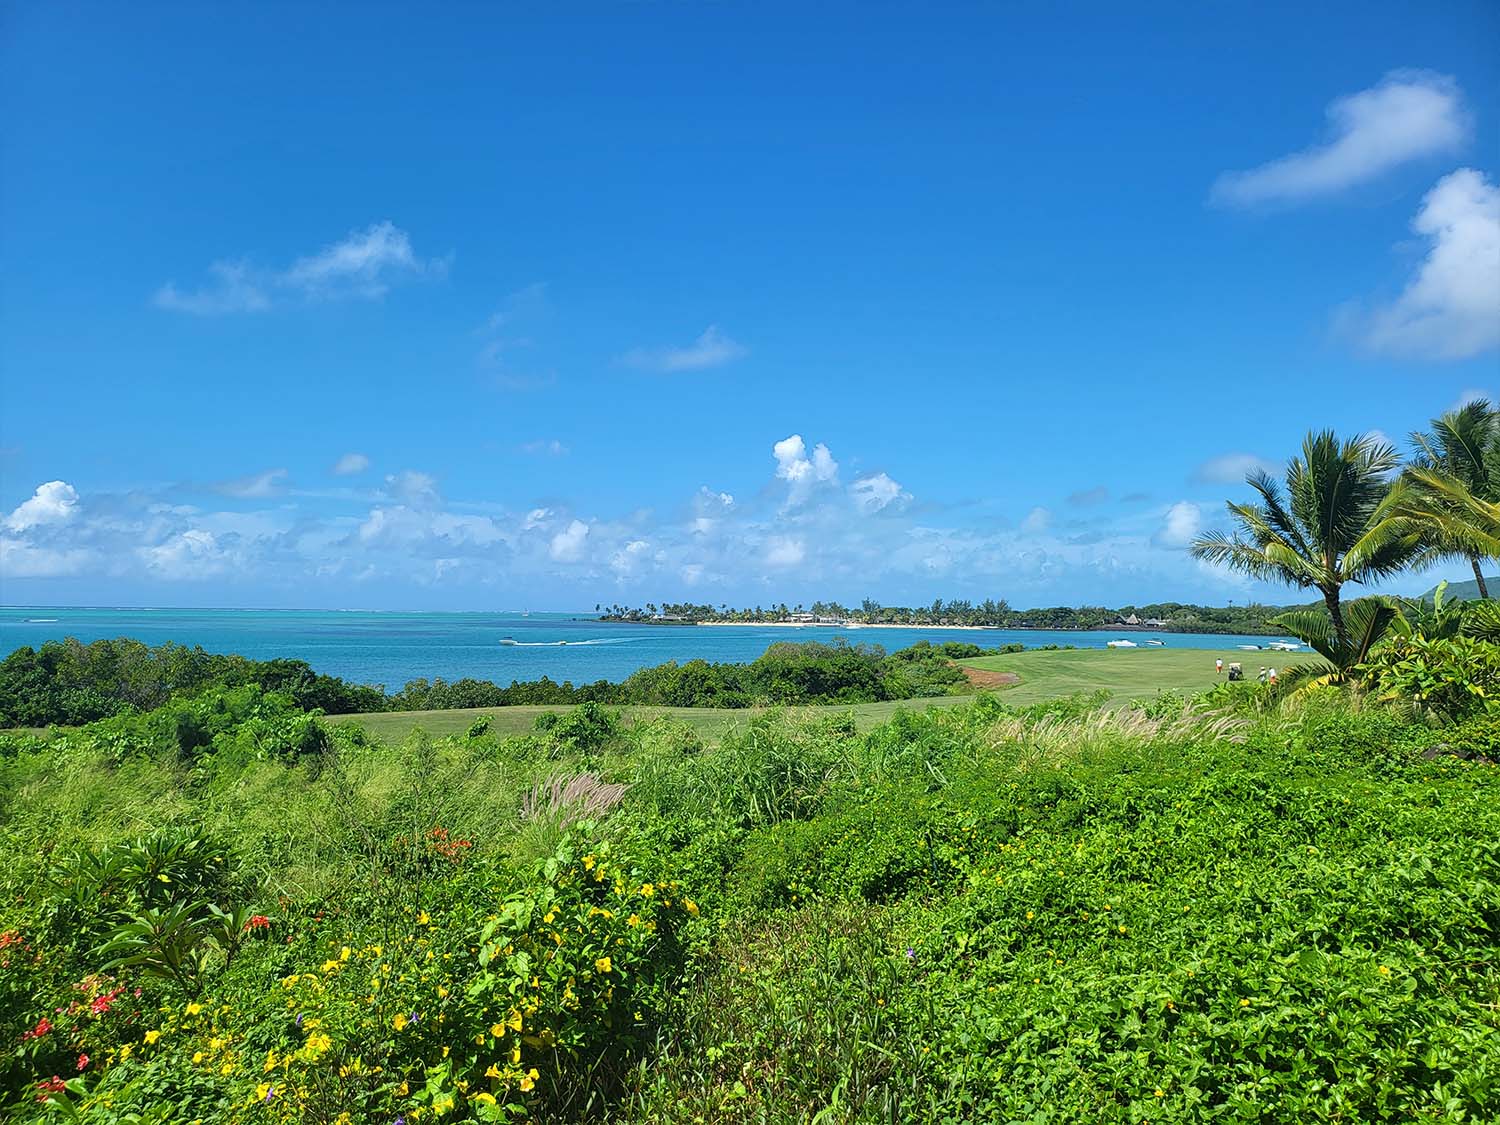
(1330, 525)
(1369, 621)
(1454, 486)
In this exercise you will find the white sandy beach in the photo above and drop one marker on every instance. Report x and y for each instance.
(825, 625)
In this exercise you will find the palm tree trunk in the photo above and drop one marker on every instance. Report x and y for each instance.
(1484, 591)
(1331, 599)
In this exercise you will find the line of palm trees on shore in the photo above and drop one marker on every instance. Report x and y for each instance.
(1352, 511)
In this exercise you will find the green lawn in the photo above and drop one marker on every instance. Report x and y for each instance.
(1131, 673)
(710, 722)
(1137, 673)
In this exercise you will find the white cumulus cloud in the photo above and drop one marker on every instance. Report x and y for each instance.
(1181, 524)
(1408, 115)
(51, 503)
(801, 471)
(190, 554)
(712, 349)
(874, 494)
(1451, 308)
(567, 545)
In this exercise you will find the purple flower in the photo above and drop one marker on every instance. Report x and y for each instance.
(270, 1093)
(299, 1019)
(911, 954)
(399, 1120)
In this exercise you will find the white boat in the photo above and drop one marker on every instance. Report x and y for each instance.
(508, 641)
(1248, 648)
(1156, 643)
(1120, 644)
(1286, 646)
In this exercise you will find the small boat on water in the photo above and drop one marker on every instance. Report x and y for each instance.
(508, 640)
(1286, 646)
(1157, 643)
(1120, 644)
(1248, 648)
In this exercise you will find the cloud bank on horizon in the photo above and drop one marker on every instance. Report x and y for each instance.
(804, 525)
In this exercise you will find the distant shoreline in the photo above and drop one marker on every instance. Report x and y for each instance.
(828, 625)
(1124, 629)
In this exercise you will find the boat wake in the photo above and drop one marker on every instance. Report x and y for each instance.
(508, 643)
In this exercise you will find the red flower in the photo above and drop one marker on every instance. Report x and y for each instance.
(43, 1026)
(83, 1061)
(48, 1086)
(258, 922)
(101, 1004)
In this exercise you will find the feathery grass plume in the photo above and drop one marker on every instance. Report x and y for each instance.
(583, 796)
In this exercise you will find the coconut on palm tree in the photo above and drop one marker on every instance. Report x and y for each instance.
(1452, 490)
(1328, 524)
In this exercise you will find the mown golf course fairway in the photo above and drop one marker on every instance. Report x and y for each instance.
(1126, 673)
(1135, 673)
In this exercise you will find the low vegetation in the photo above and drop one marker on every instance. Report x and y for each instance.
(68, 683)
(1266, 903)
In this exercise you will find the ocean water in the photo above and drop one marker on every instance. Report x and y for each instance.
(391, 648)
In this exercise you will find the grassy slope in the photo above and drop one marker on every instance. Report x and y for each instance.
(710, 722)
(1126, 673)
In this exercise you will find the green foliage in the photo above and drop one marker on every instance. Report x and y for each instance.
(1449, 676)
(1366, 623)
(1279, 911)
(70, 683)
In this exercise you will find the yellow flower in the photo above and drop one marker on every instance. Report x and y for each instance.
(514, 1019)
(633, 920)
(423, 918)
(690, 906)
(1160, 1093)
(197, 1056)
(529, 1080)
(263, 1092)
(647, 890)
(125, 1050)
(152, 1036)
(484, 1097)
(1385, 971)
(515, 1055)
(1244, 1003)
(399, 1023)
(548, 917)
(497, 1030)
(1029, 915)
(194, 1008)
(493, 1072)
(588, 863)
(604, 965)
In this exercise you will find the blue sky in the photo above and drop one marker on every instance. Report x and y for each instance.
(501, 305)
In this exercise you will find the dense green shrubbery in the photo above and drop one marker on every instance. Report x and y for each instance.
(67, 683)
(1277, 913)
